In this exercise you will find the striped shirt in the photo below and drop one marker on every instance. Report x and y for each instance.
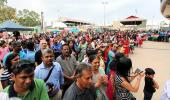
(121, 92)
(5, 75)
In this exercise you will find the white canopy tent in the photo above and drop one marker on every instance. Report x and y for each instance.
(59, 25)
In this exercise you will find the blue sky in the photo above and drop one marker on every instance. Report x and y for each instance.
(92, 10)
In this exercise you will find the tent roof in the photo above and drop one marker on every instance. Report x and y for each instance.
(59, 24)
(11, 26)
(132, 18)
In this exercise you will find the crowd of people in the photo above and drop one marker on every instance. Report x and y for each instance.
(83, 66)
(160, 36)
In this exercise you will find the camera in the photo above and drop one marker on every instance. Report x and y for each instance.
(50, 86)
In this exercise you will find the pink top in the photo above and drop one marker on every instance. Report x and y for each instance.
(3, 52)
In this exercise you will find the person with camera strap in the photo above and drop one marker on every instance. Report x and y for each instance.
(52, 74)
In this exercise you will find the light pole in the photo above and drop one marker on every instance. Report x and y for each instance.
(42, 21)
(104, 5)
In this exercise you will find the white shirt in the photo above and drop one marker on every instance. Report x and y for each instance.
(166, 91)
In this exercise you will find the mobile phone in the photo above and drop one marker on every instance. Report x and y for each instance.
(138, 71)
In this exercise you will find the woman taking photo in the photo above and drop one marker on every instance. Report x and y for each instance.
(123, 79)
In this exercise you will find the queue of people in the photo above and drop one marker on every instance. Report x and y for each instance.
(86, 66)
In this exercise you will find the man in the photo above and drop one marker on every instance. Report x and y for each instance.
(25, 86)
(58, 42)
(38, 54)
(7, 60)
(55, 79)
(68, 64)
(16, 50)
(82, 88)
(82, 45)
(30, 51)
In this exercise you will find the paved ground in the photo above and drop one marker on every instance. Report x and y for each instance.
(155, 55)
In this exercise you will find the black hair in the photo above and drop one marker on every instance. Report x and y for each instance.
(90, 52)
(30, 45)
(72, 48)
(24, 44)
(71, 40)
(149, 71)
(8, 62)
(123, 67)
(118, 56)
(102, 53)
(92, 57)
(47, 39)
(16, 34)
(23, 66)
(113, 64)
(2, 42)
(64, 45)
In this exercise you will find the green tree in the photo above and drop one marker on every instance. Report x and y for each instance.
(3, 2)
(7, 13)
(28, 18)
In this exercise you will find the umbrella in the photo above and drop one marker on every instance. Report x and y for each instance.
(74, 30)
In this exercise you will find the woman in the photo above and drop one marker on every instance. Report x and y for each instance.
(71, 44)
(110, 91)
(100, 55)
(5, 77)
(99, 78)
(111, 56)
(4, 49)
(123, 79)
(126, 45)
(74, 50)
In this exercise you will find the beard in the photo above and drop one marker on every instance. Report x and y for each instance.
(67, 54)
(50, 62)
(89, 86)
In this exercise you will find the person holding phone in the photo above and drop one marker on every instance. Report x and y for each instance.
(123, 79)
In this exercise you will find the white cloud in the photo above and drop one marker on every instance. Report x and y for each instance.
(91, 10)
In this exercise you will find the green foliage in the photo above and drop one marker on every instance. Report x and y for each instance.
(28, 18)
(7, 13)
(24, 17)
(3, 2)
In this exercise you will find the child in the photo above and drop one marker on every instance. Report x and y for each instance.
(150, 84)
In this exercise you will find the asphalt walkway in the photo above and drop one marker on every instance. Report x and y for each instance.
(157, 56)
